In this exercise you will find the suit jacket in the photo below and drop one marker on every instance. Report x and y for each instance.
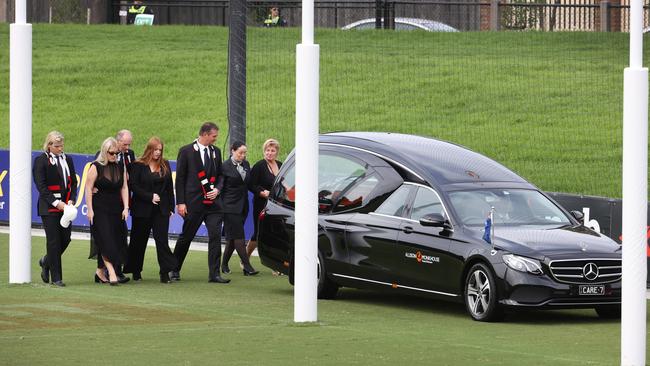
(49, 184)
(234, 195)
(191, 176)
(129, 157)
(142, 185)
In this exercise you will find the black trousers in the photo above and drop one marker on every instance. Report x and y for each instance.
(140, 229)
(191, 224)
(57, 239)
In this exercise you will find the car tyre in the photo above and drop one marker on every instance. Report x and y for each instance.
(481, 299)
(327, 289)
(609, 311)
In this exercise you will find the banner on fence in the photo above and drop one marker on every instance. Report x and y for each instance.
(82, 164)
(604, 215)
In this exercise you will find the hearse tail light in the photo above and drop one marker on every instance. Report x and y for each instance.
(522, 264)
(262, 215)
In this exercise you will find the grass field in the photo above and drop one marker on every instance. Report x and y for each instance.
(250, 322)
(548, 105)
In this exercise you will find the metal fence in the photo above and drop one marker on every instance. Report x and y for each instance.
(548, 15)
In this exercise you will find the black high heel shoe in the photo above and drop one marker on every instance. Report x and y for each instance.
(250, 273)
(99, 280)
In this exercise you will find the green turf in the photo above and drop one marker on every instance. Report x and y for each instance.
(548, 105)
(250, 322)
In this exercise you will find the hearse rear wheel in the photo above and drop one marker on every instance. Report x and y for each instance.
(609, 311)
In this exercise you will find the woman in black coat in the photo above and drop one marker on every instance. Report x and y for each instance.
(153, 202)
(263, 175)
(235, 173)
(56, 182)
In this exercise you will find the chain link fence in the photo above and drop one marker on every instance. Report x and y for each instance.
(463, 15)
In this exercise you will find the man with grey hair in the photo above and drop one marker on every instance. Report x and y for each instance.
(126, 156)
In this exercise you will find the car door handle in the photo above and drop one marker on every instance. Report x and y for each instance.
(407, 229)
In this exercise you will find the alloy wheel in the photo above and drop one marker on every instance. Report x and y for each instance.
(479, 291)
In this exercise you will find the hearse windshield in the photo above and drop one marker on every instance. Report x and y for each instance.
(512, 207)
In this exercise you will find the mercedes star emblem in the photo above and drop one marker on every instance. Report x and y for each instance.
(590, 271)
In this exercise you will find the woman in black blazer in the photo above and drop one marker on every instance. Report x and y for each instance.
(150, 181)
(234, 202)
(56, 182)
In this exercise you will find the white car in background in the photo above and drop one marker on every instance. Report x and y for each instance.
(404, 24)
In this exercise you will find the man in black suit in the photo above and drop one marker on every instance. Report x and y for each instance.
(126, 156)
(56, 182)
(198, 183)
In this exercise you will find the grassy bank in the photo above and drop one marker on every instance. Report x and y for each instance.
(548, 105)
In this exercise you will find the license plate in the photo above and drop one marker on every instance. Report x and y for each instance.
(588, 290)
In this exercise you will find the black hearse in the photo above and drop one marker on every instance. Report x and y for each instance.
(410, 214)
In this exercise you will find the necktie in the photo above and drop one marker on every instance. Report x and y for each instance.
(241, 171)
(206, 160)
(59, 168)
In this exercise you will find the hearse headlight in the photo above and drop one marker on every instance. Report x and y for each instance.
(522, 264)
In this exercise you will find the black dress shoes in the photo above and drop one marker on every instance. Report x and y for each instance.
(45, 270)
(174, 275)
(225, 268)
(219, 279)
(164, 278)
(137, 276)
(250, 273)
(121, 278)
(59, 283)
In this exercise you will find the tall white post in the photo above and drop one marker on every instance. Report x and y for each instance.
(635, 196)
(306, 238)
(20, 146)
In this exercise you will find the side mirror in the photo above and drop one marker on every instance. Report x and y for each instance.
(435, 220)
(578, 215)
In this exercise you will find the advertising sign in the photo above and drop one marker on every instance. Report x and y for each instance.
(604, 215)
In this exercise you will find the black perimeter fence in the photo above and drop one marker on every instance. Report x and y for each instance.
(551, 15)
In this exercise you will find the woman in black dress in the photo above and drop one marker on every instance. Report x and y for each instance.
(107, 210)
(235, 173)
(153, 202)
(263, 175)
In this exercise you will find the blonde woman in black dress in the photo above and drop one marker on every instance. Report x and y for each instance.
(263, 175)
(108, 210)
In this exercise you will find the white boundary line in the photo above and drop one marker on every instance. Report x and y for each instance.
(76, 235)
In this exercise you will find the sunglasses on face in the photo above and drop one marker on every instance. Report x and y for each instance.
(112, 153)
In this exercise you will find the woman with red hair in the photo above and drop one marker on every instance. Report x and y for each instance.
(153, 203)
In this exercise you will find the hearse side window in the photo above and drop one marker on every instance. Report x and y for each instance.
(358, 195)
(284, 190)
(395, 205)
(336, 174)
(426, 202)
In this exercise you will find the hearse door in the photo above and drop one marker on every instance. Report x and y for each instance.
(371, 238)
(422, 252)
